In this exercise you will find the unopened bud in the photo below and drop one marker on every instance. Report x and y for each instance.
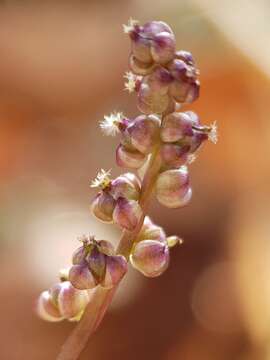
(152, 232)
(152, 102)
(144, 132)
(159, 80)
(138, 67)
(116, 267)
(102, 206)
(150, 257)
(81, 277)
(186, 56)
(46, 309)
(174, 240)
(96, 263)
(79, 255)
(152, 28)
(141, 48)
(106, 247)
(122, 186)
(127, 213)
(71, 301)
(163, 47)
(175, 126)
(185, 92)
(172, 188)
(174, 155)
(130, 159)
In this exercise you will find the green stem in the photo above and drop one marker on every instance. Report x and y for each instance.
(102, 298)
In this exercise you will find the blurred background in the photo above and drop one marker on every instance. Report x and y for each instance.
(61, 70)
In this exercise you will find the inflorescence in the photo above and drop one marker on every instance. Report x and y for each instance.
(164, 79)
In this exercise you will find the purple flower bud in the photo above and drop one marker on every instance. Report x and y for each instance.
(150, 257)
(152, 102)
(106, 247)
(163, 47)
(175, 126)
(123, 187)
(152, 232)
(152, 28)
(144, 133)
(174, 155)
(96, 263)
(193, 117)
(46, 309)
(130, 159)
(116, 267)
(71, 301)
(81, 277)
(136, 182)
(138, 67)
(102, 206)
(127, 213)
(185, 92)
(79, 255)
(159, 80)
(196, 141)
(172, 187)
(140, 47)
(186, 56)
(180, 70)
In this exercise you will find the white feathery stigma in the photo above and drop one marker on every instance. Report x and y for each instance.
(110, 124)
(213, 134)
(130, 84)
(130, 25)
(102, 180)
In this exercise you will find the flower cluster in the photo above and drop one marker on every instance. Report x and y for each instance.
(163, 79)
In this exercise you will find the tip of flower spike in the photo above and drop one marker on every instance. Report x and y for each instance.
(213, 134)
(110, 124)
(102, 180)
(130, 25)
(130, 84)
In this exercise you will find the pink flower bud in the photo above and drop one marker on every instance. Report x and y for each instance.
(79, 255)
(96, 263)
(140, 47)
(136, 182)
(163, 47)
(172, 187)
(123, 187)
(130, 159)
(144, 133)
(174, 155)
(106, 247)
(152, 28)
(46, 309)
(175, 126)
(138, 67)
(127, 213)
(181, 71)
(153, 232)
(150, 257)
(185, 92)
(152, 102)
(71, 301)
(186, 56)
(102, 206)
(159, 80)
(81, 277)
(116, 267)
(196, 140)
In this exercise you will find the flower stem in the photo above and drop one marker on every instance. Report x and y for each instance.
(102, 298)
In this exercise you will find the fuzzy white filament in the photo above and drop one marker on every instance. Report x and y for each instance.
(102, 179)
(130, 84)
(110, 124)
(130, 25)
(213, 135)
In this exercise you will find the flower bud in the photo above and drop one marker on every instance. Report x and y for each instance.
(138, 67)
(152, 28)
(79, 255)
(46, 309)
(102, 206)
(172, 187)
(163, 47)
(131, 159)
(136, 182)
(152, 102)
(106, 247)
(144, 132)
(186, 56)
(140, 47)
(185, 92)
(181, 71)
(152, 232)
(159, 80)
(174, 155)
(96, 263)
(150, 257)
(175, 126)
(116, 267)
(81, 277)
(71, 301)
(196, 140)
(123, 187)
(127, 213)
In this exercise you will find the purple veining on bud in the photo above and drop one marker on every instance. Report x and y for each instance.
(150, 257)
(152, 28)
(96, 263)
(116, 267)
(152, 102)
(46, 309)
(81, 277)
(102, 206)
(186, 56)
(138, 67)
(175, 126)
(130, 159)
(122, 186)
(127, 213)
(71, 301)
(172, 187)
(144, 133)
(174, 155)
(163, 47)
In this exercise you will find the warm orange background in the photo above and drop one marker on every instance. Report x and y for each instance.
(61, 67)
